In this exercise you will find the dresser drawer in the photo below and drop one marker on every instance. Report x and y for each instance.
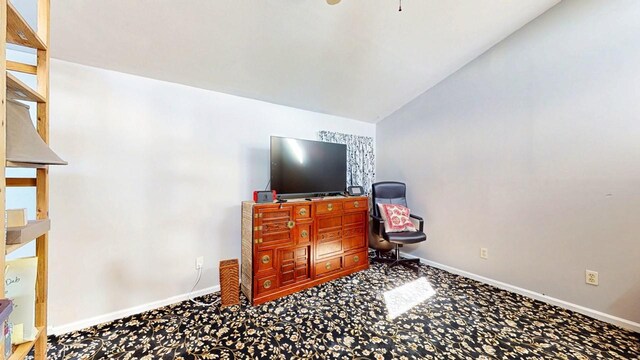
(329, 207)
(329, 265)
(265, 261)
(356, 259)
(301, 212)
(266, 284)
(359, 204)
(304, 233)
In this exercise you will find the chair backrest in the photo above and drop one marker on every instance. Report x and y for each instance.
(388, 192)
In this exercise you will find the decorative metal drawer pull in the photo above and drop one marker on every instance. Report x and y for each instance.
(327, 266)
(266, 259)
(304, 234)
(355, 258)
(330, 207)
(356, 204)
(259, 241)
(302, 212)
(291, 224)
(267, 284)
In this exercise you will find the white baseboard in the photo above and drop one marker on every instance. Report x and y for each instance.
(623, 323)
(82, 324)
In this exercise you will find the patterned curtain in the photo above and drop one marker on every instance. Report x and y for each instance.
(361, 160)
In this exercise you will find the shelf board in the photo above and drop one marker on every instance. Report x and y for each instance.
(19, 32)
(18, 90)
(21, 182)
(21, 351)
(22, 67)
(20, 235)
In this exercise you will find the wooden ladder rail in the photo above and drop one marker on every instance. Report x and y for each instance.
(42, 181)
(3, 138)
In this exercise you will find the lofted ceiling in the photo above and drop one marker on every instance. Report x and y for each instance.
(361, 59)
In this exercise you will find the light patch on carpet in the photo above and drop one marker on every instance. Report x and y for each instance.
(405, 297)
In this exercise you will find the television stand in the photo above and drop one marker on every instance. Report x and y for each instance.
(295, 245)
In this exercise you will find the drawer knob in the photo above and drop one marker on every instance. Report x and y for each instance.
(356, 204)
(327, 266)
(259, 241)
(291, 224)
(302, 212)
(267, 284)
(266, 259)
(355, 258)
(304, 234)
(330, 207)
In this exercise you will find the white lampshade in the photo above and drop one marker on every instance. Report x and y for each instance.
(25, 148)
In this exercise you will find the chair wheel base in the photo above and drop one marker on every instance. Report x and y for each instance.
(413, 264)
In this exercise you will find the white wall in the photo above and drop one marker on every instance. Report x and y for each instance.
(156, 175)
(533, 151)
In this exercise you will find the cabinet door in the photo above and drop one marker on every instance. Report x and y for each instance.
(329, 236)
(353, 241)
(272, 227)
(357, 218)
(294, 264)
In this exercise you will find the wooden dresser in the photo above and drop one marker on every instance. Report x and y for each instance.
(298, 244)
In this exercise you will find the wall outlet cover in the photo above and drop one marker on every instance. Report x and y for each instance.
(591, 277)
(484, 253)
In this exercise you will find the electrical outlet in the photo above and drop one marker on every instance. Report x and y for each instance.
(591, 277)
(199, 262)
(484, 253)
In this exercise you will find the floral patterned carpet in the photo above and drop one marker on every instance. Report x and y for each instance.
(349, 318)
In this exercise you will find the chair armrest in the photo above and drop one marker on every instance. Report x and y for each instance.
(378, 225)
(420, 221)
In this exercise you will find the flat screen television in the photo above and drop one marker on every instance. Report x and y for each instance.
(306, 167)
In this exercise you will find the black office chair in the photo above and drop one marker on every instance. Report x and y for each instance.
(392, 192)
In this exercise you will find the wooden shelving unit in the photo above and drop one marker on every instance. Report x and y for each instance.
(16, 30)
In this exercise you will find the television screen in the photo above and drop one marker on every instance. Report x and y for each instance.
(307, 167)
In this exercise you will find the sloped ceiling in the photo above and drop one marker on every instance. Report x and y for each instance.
(360, 59)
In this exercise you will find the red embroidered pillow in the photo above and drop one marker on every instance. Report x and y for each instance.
(396, 218)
